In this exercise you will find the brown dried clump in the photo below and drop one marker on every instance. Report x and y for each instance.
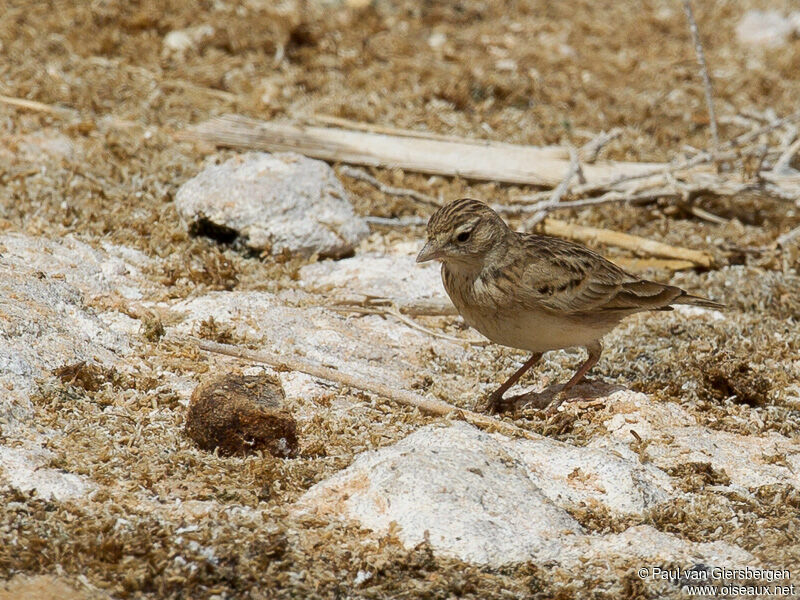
(241, 414)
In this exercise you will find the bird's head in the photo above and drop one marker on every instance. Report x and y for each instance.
(462, 232)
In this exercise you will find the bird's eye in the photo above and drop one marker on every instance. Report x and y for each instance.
(463, 236)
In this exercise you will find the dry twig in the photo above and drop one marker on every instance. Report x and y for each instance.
(38, 106)
(784, 160)
(590, 150)
(625, 240)
(388, 189)
(427, 405)
(788, 237)
(701, 60)
(558, 192)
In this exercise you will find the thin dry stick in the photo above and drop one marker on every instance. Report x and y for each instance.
(558, 192)
(708, 216)
(414, 307)
(787, 237)
(423, 307)
(695, 161)
(37, 106)
(701, 60)
(590, 150)
(751, 135)
(426, 405)
(388, 189)
(625, 240)
(785, 159)
(193, 87)
(607, 198)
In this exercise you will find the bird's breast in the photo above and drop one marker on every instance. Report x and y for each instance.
(489, 310)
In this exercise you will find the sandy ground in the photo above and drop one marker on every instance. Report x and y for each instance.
(107, 169)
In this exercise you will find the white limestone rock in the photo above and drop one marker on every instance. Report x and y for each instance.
(455, 486)
(489, 499)
(274, 202)
(674, 438)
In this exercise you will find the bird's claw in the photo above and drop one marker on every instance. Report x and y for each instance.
(492, 404)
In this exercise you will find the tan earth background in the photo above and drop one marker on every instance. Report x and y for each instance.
(92, 171)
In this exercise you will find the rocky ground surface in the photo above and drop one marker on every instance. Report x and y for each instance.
(119, 242)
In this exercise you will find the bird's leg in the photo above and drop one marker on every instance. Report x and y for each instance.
(494, 401)
(595, 350)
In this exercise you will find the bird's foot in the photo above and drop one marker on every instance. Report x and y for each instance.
(494, 404)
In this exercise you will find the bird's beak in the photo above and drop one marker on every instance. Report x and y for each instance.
(429, 252)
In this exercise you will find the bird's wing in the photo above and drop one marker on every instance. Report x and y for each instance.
(567, 278)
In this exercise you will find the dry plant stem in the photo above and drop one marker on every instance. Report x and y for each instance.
(388, 189)
(703, 158)
(783, 162)
(746, 138)
(607, 198)
(707, 216)
(164, 83)
(625, 240)
(37, 106)
(493, 162)
(406, 398)
(590, 150)
(788, 237)
(414, 307)
(558, 192)
(701, 60)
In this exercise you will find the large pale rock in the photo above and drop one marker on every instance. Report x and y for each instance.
(643, 545)
(674, 438)
(273, 202)
(492, 500)
(455, 486)
(46, 324)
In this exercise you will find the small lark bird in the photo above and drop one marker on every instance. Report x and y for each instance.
(535, 292)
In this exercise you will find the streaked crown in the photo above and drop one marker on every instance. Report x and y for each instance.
(459, 214)
(462, 231)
